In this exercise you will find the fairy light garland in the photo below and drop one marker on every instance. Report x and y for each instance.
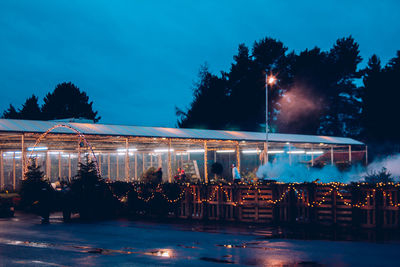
(334, 188)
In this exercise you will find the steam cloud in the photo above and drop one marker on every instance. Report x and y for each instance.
(282, 171)
(298, 102)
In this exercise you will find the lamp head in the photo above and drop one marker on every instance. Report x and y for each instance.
(271, 80)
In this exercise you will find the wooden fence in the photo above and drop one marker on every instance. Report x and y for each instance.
(322, 204)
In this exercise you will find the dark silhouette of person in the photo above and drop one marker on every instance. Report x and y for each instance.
(158, 174)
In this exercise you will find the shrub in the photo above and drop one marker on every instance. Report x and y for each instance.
(150, 176)
(382, 176)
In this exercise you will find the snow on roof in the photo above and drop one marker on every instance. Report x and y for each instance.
(30, 126)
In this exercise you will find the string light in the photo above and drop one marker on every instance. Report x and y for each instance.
(249, 194)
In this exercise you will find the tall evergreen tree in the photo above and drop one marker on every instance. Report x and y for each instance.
(209, 105)
(67, 101)
(343, 106)
(30, 109)
(373, 100)
(244, 93)
(270, 58)
(302, 103)
(11, 113)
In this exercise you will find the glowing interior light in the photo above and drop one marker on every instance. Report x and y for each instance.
(314, 152)
(288, 143)
(38, 148)
(124, 149)
(54, 152)
(161, 150)
(251, 151)
(275, 151)
(181, 153)
(12, 152)
(195, 151)
(226, 151)
(296, 152)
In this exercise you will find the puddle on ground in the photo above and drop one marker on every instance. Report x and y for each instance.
(36, 262)
(252, 245)
(185, 246)
(216, 260)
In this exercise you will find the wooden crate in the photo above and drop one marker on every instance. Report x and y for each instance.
(390, 207)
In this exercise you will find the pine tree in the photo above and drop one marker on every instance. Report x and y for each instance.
(372, 100)
(89, 194)
(208, 109)
(11, 113)
(67, 101)
(343, 106)
(36, 193)
(30, 109)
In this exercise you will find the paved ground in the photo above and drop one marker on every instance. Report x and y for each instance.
(25, 242)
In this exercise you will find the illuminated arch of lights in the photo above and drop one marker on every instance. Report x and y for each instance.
(80, 135)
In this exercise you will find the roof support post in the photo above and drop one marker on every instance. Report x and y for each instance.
(69, 167)
(238, 156)
(350, 154)
(143, 162)
(332, 161)
(1, 170)
(48, 165)
(205, 163)
(159, 159)
(126, 160)
(99, 162)
(14, 177)
(136, 177)
(169, 161)
(117, 178)
(265, 152)
(366, 155)
(23, 157)
(79, 151)
(312, 155)
(59, 165)
(109, 165)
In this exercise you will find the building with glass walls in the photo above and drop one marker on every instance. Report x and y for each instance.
(124, 153)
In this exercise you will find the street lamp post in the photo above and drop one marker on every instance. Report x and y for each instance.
(269, 81)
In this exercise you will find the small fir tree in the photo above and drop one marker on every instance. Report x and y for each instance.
(36, 193)
(90, 195)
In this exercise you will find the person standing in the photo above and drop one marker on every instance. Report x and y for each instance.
(235, 173)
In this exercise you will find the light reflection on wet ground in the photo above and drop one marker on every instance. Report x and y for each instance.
(25, 242)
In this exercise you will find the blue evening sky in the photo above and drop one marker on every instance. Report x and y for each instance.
(138, 59)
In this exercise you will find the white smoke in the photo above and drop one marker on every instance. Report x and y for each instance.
(391, 163)
(283, 171)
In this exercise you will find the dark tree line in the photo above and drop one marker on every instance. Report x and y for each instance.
(66, 101)
(318, 92)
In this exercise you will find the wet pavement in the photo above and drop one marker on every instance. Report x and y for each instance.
(25, 242)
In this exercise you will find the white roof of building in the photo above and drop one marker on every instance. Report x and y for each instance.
(30, 126)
